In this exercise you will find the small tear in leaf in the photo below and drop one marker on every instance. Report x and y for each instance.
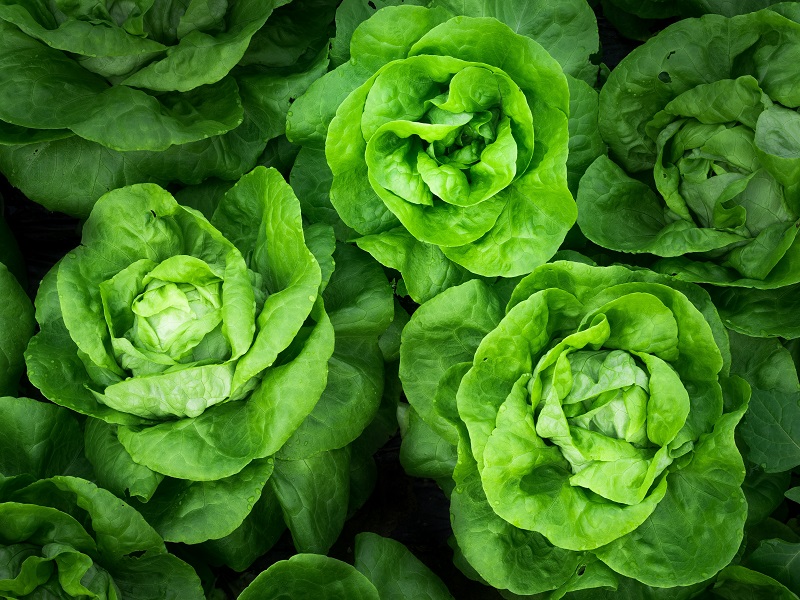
(671, 52)
(581, 570)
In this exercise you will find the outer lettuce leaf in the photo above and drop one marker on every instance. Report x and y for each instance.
(39, 440)
(778, 559)
(736, 582)
(568, 32)
(384, 569)
(770, 427)
(17, 326)
(358, 301)
(310, 575)
(394, 571)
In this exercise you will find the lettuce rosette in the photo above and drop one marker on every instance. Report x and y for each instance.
(200, 350)
(61, 536)
(704, 134)
(585, 432)
(98, 95)
(446, 148)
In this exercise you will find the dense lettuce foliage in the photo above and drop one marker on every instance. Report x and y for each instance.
(593, 420)
(384, 570)
(60, 535)
(201, 350)
(704, 134)
(448, 147)
(158, 91)
(584, 280)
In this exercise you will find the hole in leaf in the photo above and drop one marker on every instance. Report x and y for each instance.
(371, 4)
(581, 570)
(664, 77)
(291, 100)
(152, 212)
(671, 52)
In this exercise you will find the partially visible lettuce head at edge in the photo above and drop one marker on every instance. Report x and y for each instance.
(61, 536)
(198, 348)
(590, 424)
(704, 131)
(449, 141)
(97, 95)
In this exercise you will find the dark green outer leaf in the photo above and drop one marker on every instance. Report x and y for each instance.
(313, 494)
(16, 325)
(252, 539)
(760, 313)
(63, 95)
(195, 511)
(358, 300)
(39, 439)
(395, 572)
(310, 576)
(771, 427)
(739, 583)
(780, 560)
(443, 332)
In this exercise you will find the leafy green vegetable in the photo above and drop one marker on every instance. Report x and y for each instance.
(780, 560)
(706, 142)
(384, 570)
(660, 9)
(771, 427)
(736, 582)
(202, 350)
(447, 148)
(122, 93)
(593, 419)
(60, 535)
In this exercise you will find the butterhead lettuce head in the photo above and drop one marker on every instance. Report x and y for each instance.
(453, 136)
(592, 427)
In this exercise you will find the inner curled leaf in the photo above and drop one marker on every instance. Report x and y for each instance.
(443, 129)
(612, 406)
